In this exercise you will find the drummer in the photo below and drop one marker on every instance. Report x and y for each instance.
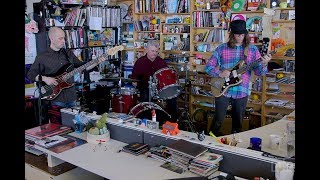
(145, 67)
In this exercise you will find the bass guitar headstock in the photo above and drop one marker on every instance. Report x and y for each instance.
(110, 51)
(114, 50)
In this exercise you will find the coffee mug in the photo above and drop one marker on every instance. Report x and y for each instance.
(274, 141)
(255, 143)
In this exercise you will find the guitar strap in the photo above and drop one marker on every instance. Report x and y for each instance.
(67, 56)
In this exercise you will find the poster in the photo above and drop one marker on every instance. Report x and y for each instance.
(30, 48)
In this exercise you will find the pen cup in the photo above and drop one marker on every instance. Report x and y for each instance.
(255, 143)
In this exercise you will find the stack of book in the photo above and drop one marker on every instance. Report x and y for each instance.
(46, 136)
(136, 148)
(182, 152)
(159, 153)
(46, 130)
(206, 164)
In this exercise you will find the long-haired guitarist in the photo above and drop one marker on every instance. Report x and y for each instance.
(49, 64)
(231, 86)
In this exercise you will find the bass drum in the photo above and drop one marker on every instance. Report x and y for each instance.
(123, 99)
(143, 111)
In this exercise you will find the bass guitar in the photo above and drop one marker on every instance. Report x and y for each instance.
(50, 92)
(220, 85)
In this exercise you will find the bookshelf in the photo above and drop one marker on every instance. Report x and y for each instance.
(84, 36)
(202, 27)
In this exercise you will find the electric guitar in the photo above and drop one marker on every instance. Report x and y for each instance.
(220, 85)
(50, 92)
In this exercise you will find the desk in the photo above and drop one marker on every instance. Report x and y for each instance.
(110, 164)
(279, 127)
(107, 162)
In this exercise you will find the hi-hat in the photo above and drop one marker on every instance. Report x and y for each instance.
(118, 78)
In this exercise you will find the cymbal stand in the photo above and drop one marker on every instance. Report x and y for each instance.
(150, 88)
(185, 120)
(120, 84)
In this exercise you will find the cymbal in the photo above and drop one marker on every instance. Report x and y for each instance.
(118, 79)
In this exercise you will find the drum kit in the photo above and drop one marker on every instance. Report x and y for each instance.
(163, 85)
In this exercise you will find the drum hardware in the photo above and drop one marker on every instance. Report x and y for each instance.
(118, 79)
(144, 106)
(185, 120)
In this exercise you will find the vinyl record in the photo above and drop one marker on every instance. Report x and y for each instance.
(237, 5)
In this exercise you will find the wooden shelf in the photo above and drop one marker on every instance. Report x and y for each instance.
(201, 42)
(281, 84)
(206, 10)
(175, 23)
(278, 107)
(281, 95)
(283, 58)
(170, 14)
(254, 103)
(255, 113)
(147, 32)
(203, 53)
(174, 63)
(249, 12)
(150, 13)
(174, 51)
(283, 9)
(283, 21)
(174, 33)
(256, 92)
(207, 27)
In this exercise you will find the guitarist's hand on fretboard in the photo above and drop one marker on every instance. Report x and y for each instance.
(49, 80)
(225, 73)
(266, 59)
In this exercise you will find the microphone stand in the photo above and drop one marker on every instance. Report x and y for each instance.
(40, 108)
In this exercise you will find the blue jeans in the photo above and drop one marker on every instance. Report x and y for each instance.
(64, 104)
(237, 112)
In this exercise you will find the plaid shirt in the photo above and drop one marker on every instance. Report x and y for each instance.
(225, 57)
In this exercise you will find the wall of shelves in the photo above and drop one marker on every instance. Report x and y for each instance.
(201, 47)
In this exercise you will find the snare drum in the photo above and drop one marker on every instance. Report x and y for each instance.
(123, 99)
(167, 83)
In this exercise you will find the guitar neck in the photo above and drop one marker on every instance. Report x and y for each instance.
(249, 66)
(83, 67)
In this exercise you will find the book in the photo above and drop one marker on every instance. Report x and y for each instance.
(135, 146)
(47, 130)
(172, 167)
(208, 158)
(50, 141)
(70, 143)
(187, 148)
